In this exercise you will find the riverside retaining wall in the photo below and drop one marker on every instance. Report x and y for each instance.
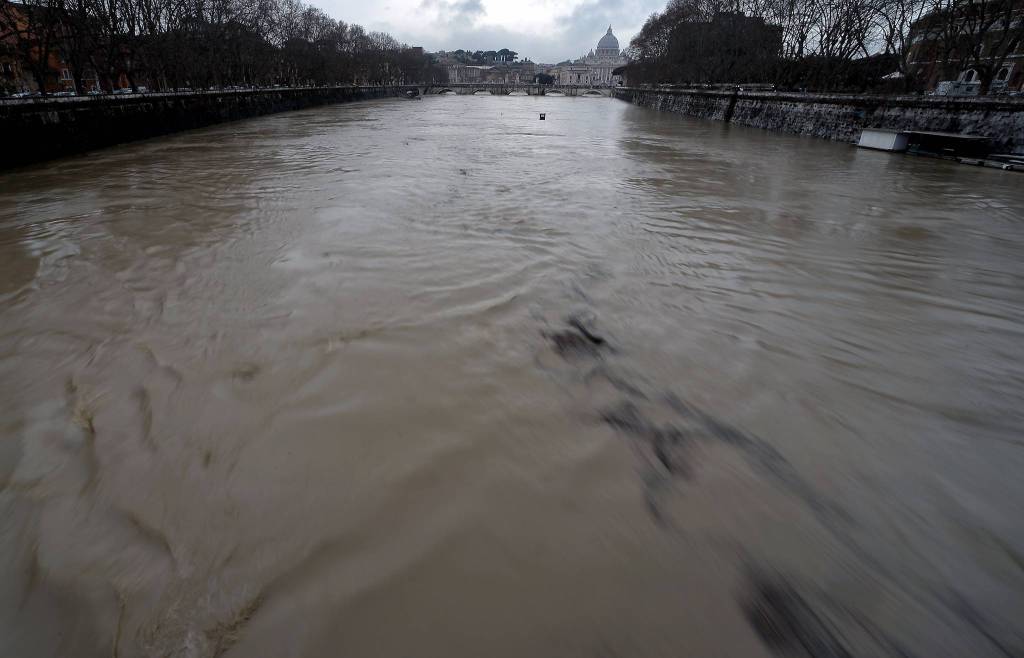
(41, 129)
(842, 117)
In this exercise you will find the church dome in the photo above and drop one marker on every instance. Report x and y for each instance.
(608, 42)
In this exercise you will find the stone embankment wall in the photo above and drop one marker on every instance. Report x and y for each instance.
(842, 117)
(41, 129)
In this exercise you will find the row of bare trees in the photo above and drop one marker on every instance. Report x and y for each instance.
(173, 44)
(825, 44)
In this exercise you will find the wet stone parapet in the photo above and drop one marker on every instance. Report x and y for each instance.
(842, 117)
(43, 129)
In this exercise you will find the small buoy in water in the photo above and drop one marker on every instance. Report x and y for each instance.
(543, 116)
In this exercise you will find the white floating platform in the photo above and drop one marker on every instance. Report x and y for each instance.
(883, 140)
(925, 142)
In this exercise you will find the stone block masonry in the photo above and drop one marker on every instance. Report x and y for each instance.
(42, 129)
(842, 117)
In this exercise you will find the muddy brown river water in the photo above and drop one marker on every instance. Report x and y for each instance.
(439, 379)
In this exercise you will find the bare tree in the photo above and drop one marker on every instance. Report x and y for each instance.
(825, 44)
(893, 20)
(982, 34)
(167, 44)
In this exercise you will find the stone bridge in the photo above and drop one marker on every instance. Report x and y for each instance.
(512, 89)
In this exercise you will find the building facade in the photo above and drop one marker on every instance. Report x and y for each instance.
(596, 69)
(940, 40)
(31, 62)
(504, 73)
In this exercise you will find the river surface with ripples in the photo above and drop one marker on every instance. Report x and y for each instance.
(439, 379)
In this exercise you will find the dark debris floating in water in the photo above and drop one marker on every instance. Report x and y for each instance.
(576, 339)
(793, 620)
(787, 623)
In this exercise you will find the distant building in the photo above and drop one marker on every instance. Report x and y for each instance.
(460, 73)
(934, 41)
(595, 69)
(26, 65)
(13, 76)
(503, 73)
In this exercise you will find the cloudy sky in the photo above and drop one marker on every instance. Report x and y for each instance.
(543, 30)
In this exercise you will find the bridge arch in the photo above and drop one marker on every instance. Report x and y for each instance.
(482, 92)
(447, 91)
(593, 93)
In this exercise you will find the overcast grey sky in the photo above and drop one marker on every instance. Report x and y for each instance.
(543, 30)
